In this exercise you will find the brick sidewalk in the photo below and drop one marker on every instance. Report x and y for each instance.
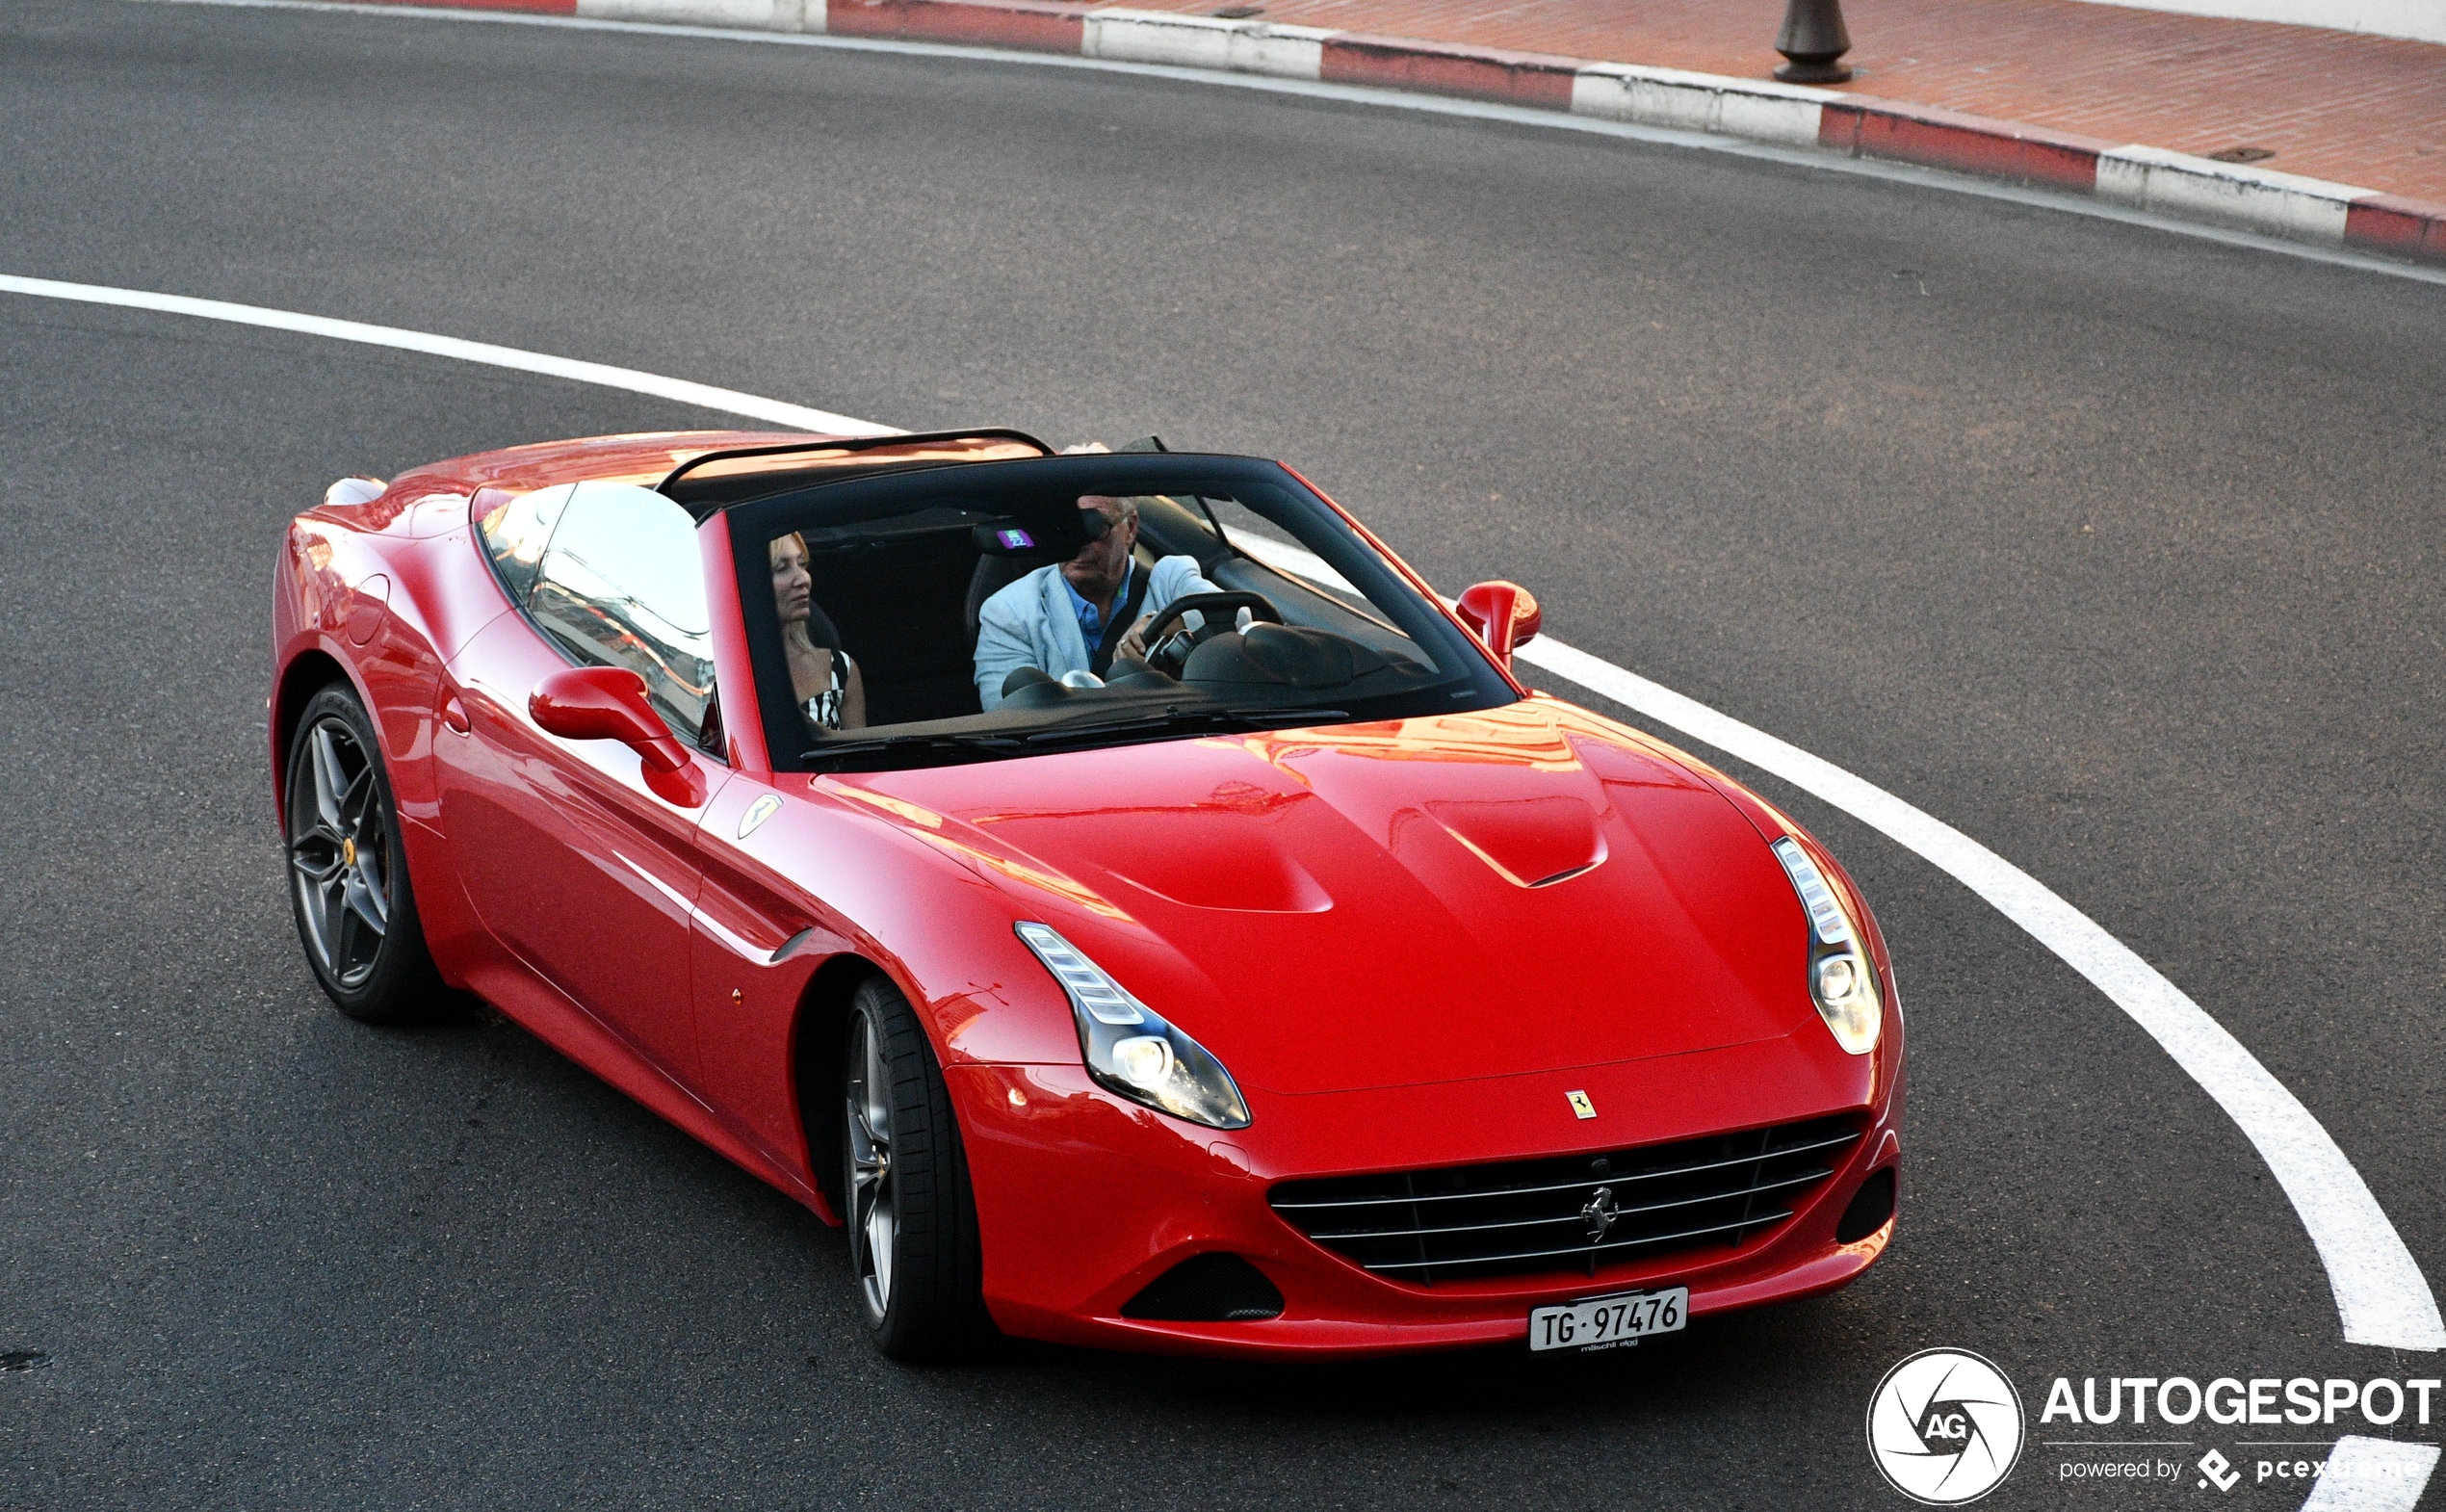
(2333, 105)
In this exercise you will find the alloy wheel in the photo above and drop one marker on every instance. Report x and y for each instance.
(338, 854)
(875, 1223)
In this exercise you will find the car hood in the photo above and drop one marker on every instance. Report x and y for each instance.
(1478, 894)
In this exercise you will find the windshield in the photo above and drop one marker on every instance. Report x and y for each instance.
(1016, 609)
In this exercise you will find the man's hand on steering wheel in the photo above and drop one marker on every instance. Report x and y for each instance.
(1167, 650)
(1133, 645)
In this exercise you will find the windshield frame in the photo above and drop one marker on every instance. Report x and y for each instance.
(1469, 678)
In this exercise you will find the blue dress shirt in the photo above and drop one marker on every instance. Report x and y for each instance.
(1091, 624)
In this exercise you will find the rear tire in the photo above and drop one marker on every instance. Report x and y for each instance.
(914, 1253)
(347, 875)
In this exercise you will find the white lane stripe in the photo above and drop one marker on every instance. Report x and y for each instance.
(2379, 1292)
(2373, 1475)
(1424, 104)
(703, 396)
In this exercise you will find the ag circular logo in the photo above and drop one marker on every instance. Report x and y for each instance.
(1945, 1427)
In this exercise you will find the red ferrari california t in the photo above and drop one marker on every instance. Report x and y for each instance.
(1115, 886)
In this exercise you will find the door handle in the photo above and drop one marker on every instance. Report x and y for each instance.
(454, 714)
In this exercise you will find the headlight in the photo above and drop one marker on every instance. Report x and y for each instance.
(1130, 1048)
(1840, 981)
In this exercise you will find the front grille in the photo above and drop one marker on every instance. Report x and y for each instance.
(1569, 1211)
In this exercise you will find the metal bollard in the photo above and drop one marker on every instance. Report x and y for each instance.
(1812, 39)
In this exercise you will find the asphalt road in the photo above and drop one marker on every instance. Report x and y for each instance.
(2118, 550)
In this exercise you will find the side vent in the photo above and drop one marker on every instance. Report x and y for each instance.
(1208, 1289)
(1871, 1206)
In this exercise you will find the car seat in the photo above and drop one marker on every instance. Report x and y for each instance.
(994, 573)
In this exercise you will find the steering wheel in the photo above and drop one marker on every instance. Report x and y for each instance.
(1169, 653)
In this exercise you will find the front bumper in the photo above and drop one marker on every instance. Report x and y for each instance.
(1084, 1198)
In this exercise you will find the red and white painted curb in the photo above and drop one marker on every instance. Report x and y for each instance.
(2171, 184)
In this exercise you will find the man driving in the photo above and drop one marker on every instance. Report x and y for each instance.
(1079, 616)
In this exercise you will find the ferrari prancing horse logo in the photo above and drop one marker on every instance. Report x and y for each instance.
(1599, 1214)
(758, 811)
(1582, 1107)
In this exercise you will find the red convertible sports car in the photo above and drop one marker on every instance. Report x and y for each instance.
(1115, 886)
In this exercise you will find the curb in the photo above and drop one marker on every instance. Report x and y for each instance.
(2173, 184)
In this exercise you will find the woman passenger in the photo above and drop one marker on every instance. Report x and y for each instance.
(824, 681)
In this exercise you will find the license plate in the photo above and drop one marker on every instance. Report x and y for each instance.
(1608, 1321)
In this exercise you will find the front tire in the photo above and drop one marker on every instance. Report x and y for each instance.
(348, 876)
(911, 1214)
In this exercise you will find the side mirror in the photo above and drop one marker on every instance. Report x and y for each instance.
(1504, 615)
(608, 703)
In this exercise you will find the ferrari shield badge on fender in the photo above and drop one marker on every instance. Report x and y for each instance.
(1582, 1107)
(758, 811)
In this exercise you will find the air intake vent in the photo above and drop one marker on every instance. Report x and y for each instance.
(1570, 1211)
(1209, 1289)
(1871, 1206)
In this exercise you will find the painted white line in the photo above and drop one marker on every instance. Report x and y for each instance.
(2380, 1294)
(704, 396)
(2287, 204)
(2373, 1475)
(1780, 113)
(1421, 104)
(1198, 41)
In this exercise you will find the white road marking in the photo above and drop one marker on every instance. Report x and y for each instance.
(704, 396)
(1424, 104)
(2373, 1475)
(2379, 1292)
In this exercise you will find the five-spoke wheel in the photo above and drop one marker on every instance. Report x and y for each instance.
(338, 854)
(346, 878)
(905, 1195)
(874, 1227)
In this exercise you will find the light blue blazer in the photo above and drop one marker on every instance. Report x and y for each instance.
(1032, 623)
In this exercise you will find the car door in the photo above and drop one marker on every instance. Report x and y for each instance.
(573, 864)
